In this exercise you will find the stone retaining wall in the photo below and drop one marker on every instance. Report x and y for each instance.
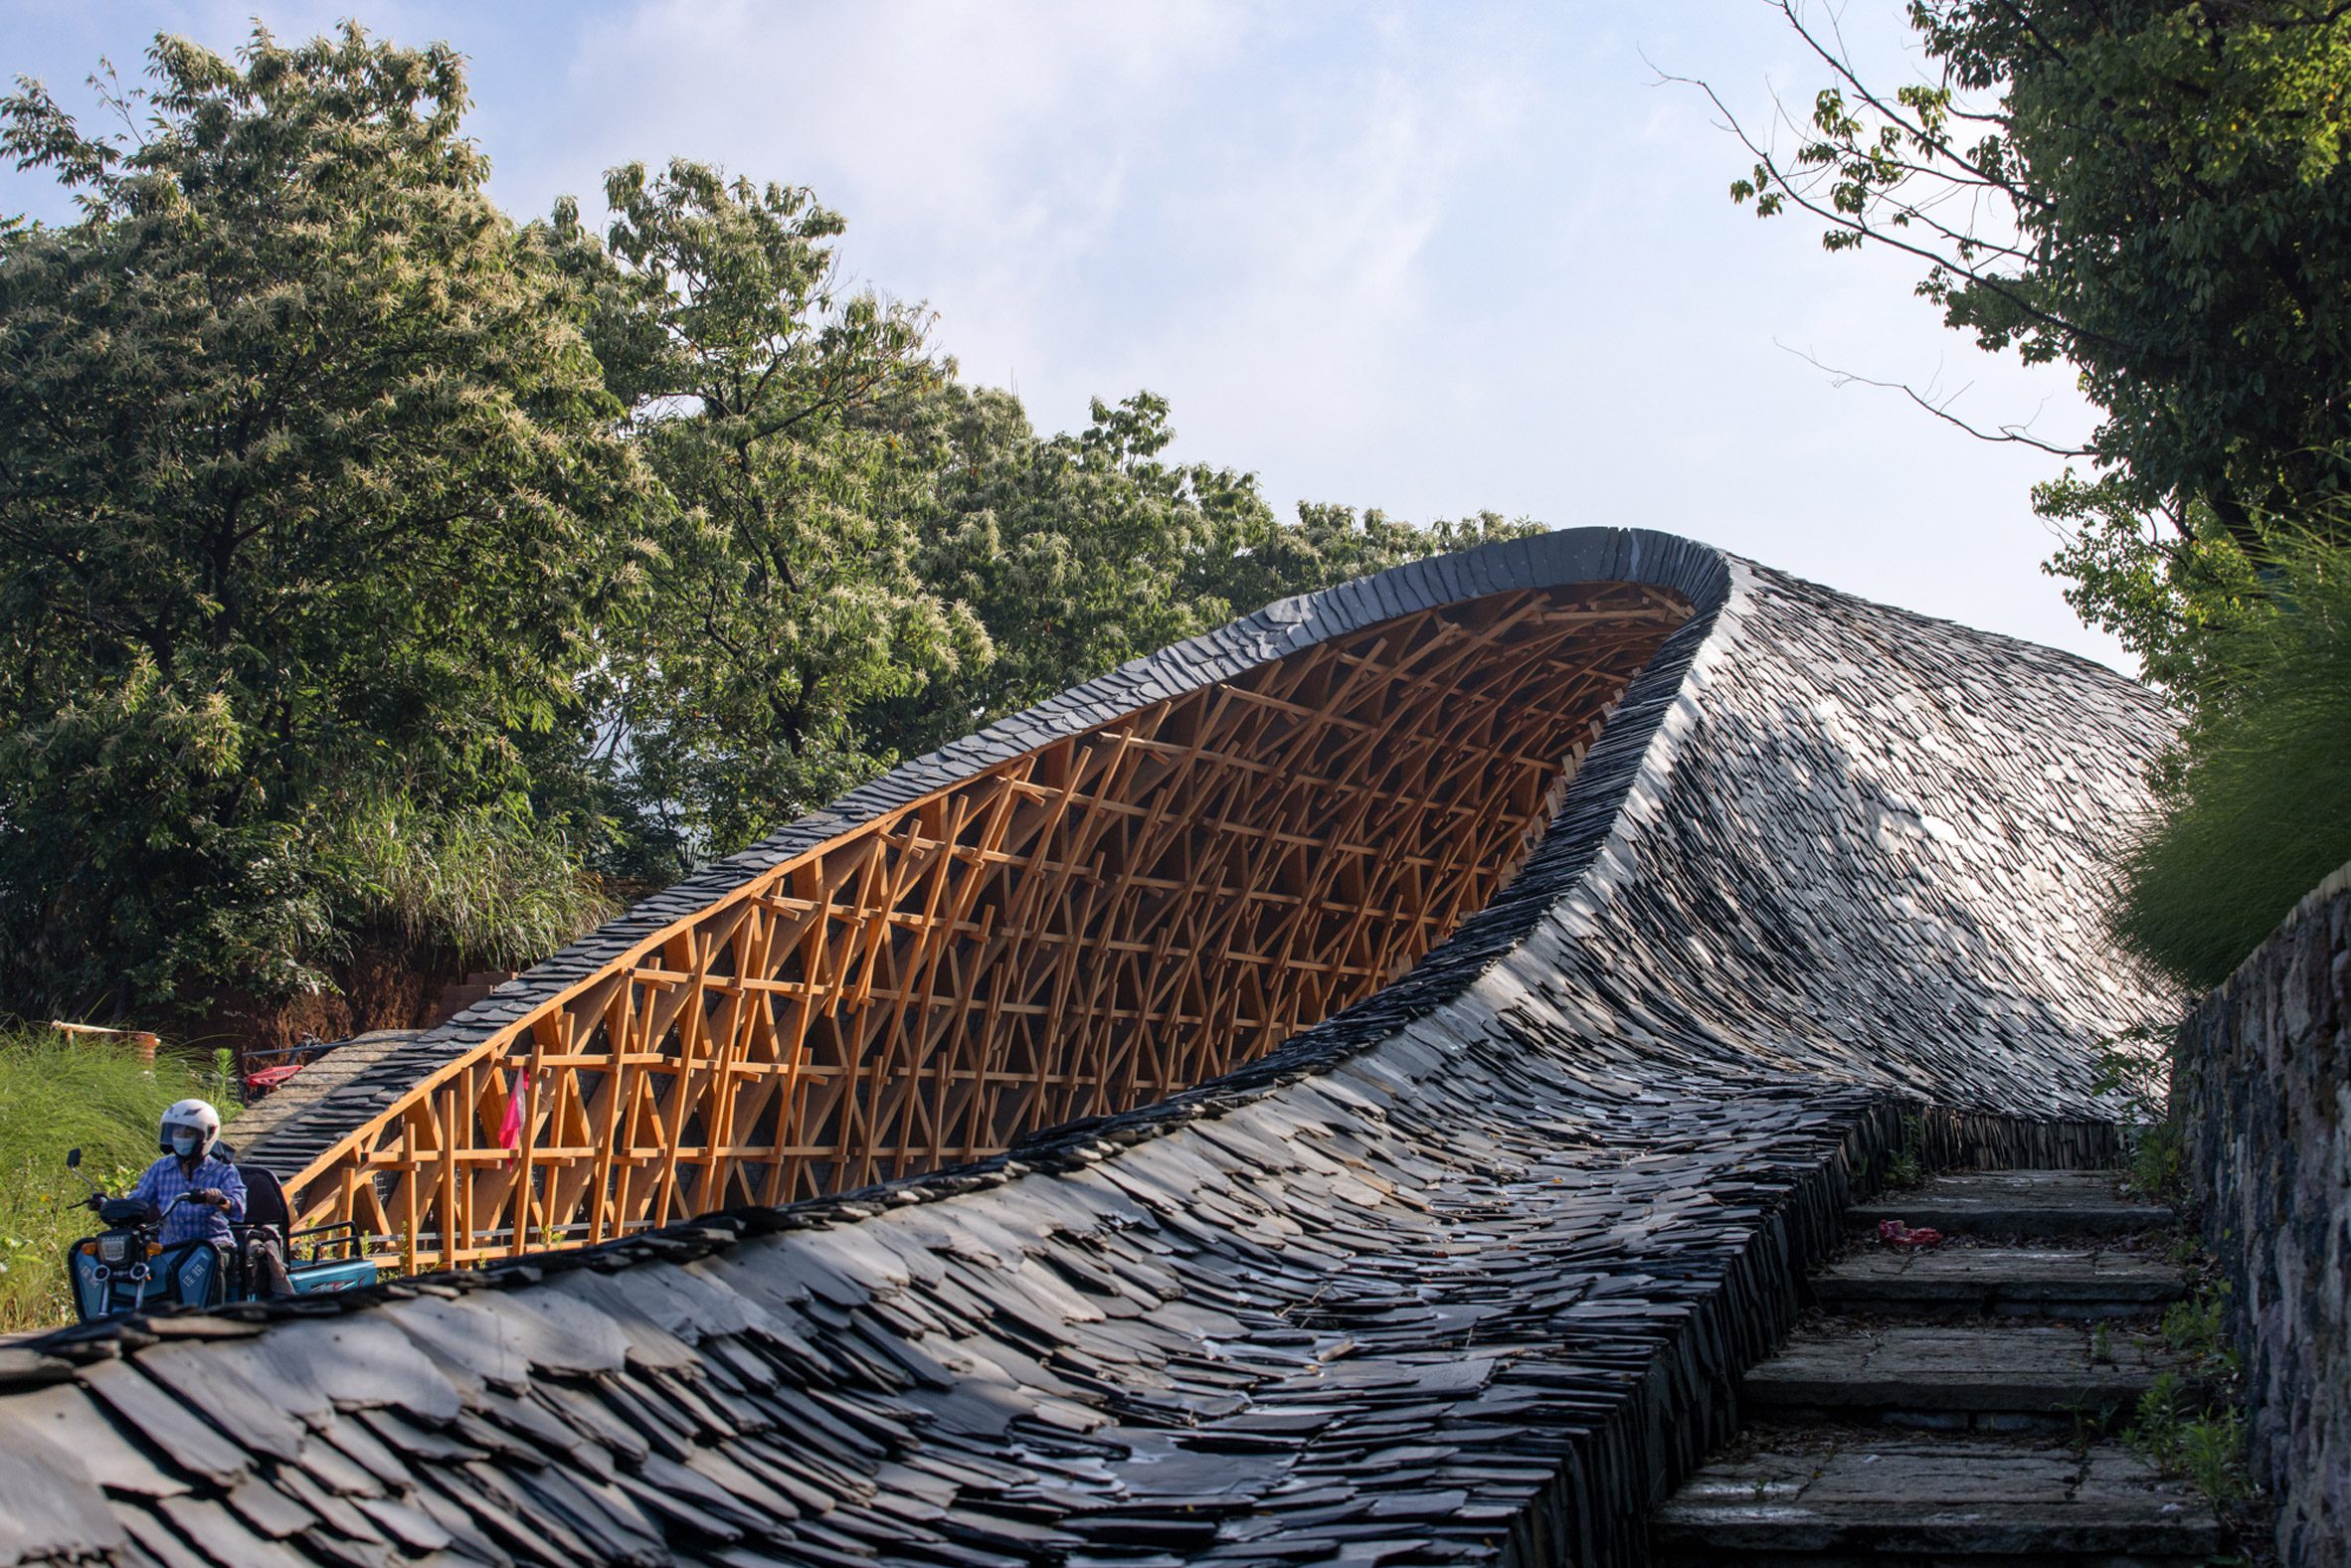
(2263, 1089)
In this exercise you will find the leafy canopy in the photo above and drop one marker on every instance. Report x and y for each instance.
(1080, 551)
(381, 575)
(309, 503)
(774, 407)
(2155, 192)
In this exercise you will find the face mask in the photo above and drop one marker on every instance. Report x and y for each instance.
(184, 1143)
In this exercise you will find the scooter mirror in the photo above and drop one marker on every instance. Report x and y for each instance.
(72, 1159)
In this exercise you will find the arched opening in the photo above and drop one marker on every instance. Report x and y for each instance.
(1087, 927)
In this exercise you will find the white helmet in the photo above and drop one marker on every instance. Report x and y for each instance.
(199, 1117)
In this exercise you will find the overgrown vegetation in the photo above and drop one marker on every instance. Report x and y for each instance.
(379, 572)
(58, 1093)
(2201, 1439)
(481, 881)
(2134, 1070)
(2255, 809)
(1906, 1167)
(2202, 1443)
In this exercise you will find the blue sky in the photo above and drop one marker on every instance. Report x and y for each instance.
(1430, 257)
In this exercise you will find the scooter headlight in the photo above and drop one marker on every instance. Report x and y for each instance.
(115, 1248)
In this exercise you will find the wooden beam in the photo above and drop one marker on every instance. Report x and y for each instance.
(1086, 927)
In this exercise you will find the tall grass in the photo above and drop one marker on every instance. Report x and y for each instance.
(57, 1094)
(480, 884)
(2256, 803)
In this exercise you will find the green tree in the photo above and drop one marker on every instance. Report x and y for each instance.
(783, 416)
(1076, 552)
(1081, 551)
(308, 505)
(2155, 192)
(373, 565)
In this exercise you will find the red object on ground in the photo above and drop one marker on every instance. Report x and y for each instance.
(1896, 1234)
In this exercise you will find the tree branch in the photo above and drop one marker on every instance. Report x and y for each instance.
(1850, 224)
(2010, 434)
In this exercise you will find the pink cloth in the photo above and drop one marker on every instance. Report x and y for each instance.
(511, 1129)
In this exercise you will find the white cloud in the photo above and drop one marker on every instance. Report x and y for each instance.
(1424, 257)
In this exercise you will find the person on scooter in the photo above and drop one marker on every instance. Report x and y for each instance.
(197, 1195)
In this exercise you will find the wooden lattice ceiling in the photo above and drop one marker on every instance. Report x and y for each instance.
(1081, 929)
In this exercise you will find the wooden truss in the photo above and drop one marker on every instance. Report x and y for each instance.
(1086, 927)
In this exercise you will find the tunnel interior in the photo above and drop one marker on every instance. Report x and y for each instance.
(1158, 901)
(1082, 929)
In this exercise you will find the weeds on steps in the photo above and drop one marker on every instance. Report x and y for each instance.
(2134, 1067)
(2199, 1439)
(2205, 1446)
(1906, 1166)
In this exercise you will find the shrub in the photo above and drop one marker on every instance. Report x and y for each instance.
(2253, 810)
(492, 887)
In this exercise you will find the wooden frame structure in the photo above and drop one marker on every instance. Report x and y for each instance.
(1081, 929)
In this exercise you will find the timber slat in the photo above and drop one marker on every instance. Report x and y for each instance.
(1006, 954)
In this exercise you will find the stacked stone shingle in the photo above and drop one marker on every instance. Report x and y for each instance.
(1465, 1272)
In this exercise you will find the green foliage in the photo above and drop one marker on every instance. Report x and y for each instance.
(778, 412)
(2135, 1070)
(373, 566)
(2252, 811)
(58, 1093)
(2203, 1445)
(310, 498)
(1075, 552)
(2156, 192)
(2210, 1453)
(2158, 1159)
(486, 885)
(1079, 552)
(2162, 591)
(2196, 1327)
(1906, 1166)
(2201, 1441)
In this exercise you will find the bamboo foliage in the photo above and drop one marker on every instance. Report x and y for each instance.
(1090, 926)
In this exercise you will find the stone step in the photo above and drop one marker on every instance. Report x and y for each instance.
(2016, 1203)
(2007, 1377)
(1828, 1500)
(1999, 1282)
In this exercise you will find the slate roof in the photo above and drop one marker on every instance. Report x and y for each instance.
(1465, 1273)
(288, 1133)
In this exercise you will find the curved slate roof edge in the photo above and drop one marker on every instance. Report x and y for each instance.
(1569, 556)
(1697, 572)
(1589, 1205)
(1633, 749)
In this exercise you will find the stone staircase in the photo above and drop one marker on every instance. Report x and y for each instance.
(1960, 1405)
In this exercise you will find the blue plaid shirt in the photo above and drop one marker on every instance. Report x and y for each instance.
(193, 1221)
